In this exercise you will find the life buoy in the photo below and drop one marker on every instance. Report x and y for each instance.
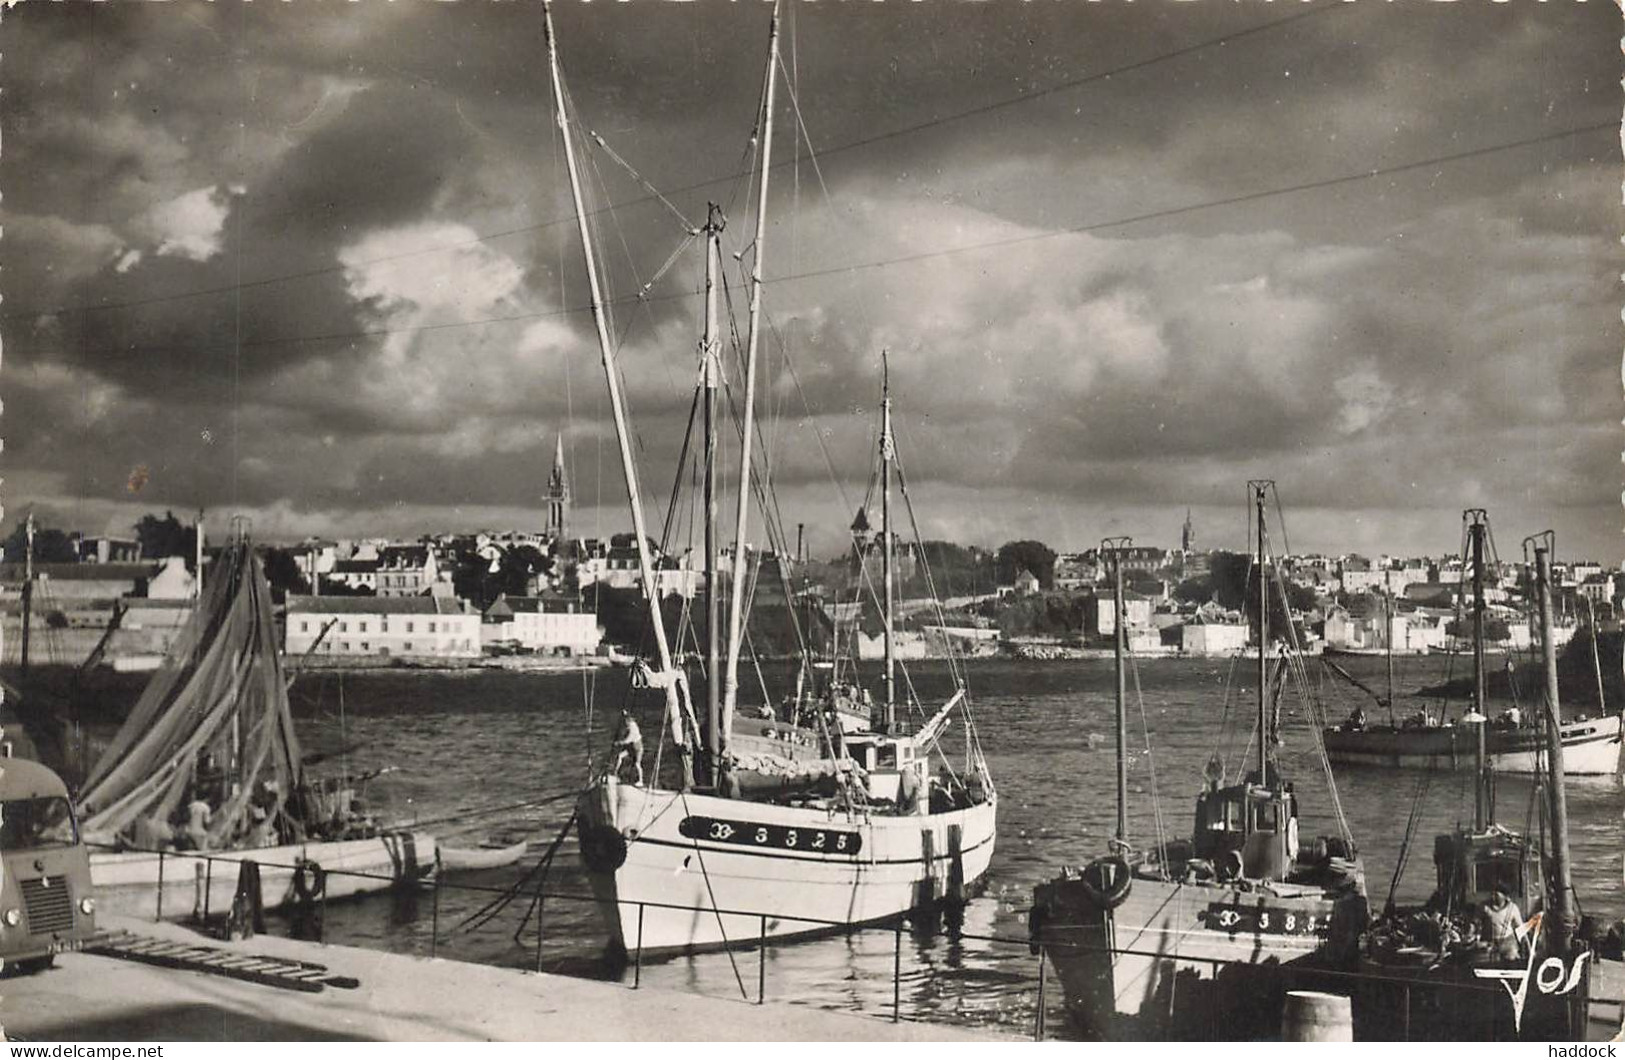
(602, 848)
(1229, 866)
(309, 881)
(1107, 890)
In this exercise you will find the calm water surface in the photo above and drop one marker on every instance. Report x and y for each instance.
(465, 745)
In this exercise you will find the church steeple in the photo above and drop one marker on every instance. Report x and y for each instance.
(558, 497)
(1187, 535)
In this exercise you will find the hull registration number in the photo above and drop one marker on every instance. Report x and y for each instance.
(771, 836)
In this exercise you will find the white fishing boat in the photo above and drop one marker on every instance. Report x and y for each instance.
(128, 882)
(213, 727)
(843, 825)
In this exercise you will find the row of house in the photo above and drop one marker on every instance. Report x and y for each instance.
(428, 626)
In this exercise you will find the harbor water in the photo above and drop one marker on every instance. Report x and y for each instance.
(466, 749)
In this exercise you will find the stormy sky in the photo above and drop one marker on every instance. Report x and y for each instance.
(318, 265)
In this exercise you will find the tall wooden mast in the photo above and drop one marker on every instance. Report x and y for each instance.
(736, 612)
(1563, 898)
(1116, 545)
(1388, 637)
(670, 679)
(1477, 520)
(28, 592)
(711, 372)
(888, 452)
(1260, 491)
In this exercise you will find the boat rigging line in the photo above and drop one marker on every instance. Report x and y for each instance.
(491, 909)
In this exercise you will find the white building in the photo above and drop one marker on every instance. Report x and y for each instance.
(1213, 638)
(550, 626)
(381, 625)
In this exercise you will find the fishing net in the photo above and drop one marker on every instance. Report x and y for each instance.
(213, 722)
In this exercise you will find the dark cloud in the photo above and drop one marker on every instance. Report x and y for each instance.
(385, 180)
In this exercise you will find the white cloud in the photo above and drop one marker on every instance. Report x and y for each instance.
(190, 225)
(1366, 399)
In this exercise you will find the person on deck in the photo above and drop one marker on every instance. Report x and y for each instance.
(1501, 920)
(628, 743)
(198, 816)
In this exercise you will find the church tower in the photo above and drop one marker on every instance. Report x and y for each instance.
(1187, 535)
(558, 497)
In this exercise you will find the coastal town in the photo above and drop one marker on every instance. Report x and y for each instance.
(770, 520)
(549, 598)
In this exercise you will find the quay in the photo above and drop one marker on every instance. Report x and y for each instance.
(91, 997)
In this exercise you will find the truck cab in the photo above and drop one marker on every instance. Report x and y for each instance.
(46, 904)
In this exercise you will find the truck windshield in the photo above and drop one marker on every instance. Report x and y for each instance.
(29, 823)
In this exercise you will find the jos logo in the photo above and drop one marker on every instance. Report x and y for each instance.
(1553, 977)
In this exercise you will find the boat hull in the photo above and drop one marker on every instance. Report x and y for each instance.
(474, 859)
(1179, 960)
(772, 871)
(1590, 747)
(128, 883)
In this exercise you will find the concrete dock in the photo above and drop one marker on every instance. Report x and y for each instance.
(88, 997)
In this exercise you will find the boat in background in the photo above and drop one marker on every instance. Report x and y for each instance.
(1510, 743)
(214, 725)
(1191, 939)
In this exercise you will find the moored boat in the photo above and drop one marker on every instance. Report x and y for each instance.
(1188, 939)
(1511, 742)
(128, 882)
(1592, 745)
(206, 773)
(775, 829)
(1466, 965)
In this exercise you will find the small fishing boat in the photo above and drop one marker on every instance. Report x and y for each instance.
(213, 727)
(1186, 939)
(489, 855)
(1436, 972)
(1510, 743)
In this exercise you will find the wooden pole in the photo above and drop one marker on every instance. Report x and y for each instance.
(1563, 899)
(674, 689)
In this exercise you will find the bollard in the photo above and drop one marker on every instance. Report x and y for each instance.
(761, 963)
(637, 960)
(897, 973)
(159, 914)
(1038, 1022)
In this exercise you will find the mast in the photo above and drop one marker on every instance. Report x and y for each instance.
(1388, 622)
(1260, 488)
(28, 592)
(612, 376)
(1119, 645)
(197, 557)
(736, 613)
(1481, 798)
(1596, 660)
(711, 371)
(1563, 899)
(887, 451)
